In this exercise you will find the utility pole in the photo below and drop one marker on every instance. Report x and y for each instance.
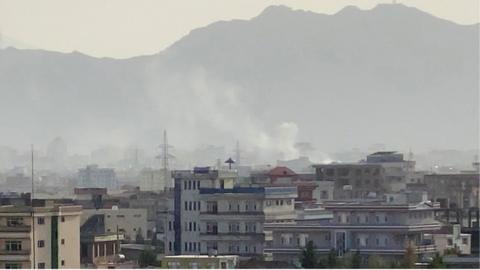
(33, 213)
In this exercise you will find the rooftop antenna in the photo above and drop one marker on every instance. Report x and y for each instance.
(34, 246)
(230, 162)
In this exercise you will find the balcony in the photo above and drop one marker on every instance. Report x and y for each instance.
(232, 236)
(14, 252)
(17, 228)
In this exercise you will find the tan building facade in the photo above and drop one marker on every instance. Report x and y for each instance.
(51, 239)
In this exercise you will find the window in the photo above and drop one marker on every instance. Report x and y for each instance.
(13, 266)
(189, 184)
(170, 246)
(118, 216)
(137, 215)
(40, 221)
(41, 265)
(190, 246)
(169, 225)
(194, 226)
(13, 245)
(377, 242)
(186, 206)
(386, 218)
(190, 226)
(190, 206)
(186, 246)
(194, 183)
(185, 185)
(465, 240)
(63, 262)
(450, 242)
(14, 221)
(40, 243)
(234, 227)
(269, 202)
(377, 219)
(198, 184)
(63, 219)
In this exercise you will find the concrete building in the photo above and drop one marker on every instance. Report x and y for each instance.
(349, 181)
(374, 227)
(454, 190)
(211, 213)
(398, 171)
(154, 180)
(200, 262)
(94, 177)
(51, 239)
(451, 238)
(132, 223)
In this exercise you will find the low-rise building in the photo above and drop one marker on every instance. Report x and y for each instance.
(128, 221)
(371, 227)
(451, 239)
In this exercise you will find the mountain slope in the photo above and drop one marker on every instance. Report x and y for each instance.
(392, 74)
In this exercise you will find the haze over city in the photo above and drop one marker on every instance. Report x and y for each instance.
(239, 134)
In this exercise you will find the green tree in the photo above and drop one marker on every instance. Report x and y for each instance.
(410, 257)
(375, 261)
(309, 258)
(332, 259)
(437, 262)
(356, 261)
(147, 258)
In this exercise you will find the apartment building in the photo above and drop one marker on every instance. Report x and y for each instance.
(212, 214)
(45, 236)
(372, 227)
(340, 181)
(398, 171)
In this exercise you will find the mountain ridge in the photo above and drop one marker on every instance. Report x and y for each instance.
(267, 81)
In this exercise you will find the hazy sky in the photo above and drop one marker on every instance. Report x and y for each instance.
(124, 28)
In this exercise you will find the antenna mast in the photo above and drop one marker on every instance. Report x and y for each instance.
(237, 153)
(164, 156)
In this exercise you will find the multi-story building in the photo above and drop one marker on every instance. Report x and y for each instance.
(212, 213)
(349, 181)
(398, 171)
(381, 228)
(94, 177)
(45, 236)
(454, 190)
